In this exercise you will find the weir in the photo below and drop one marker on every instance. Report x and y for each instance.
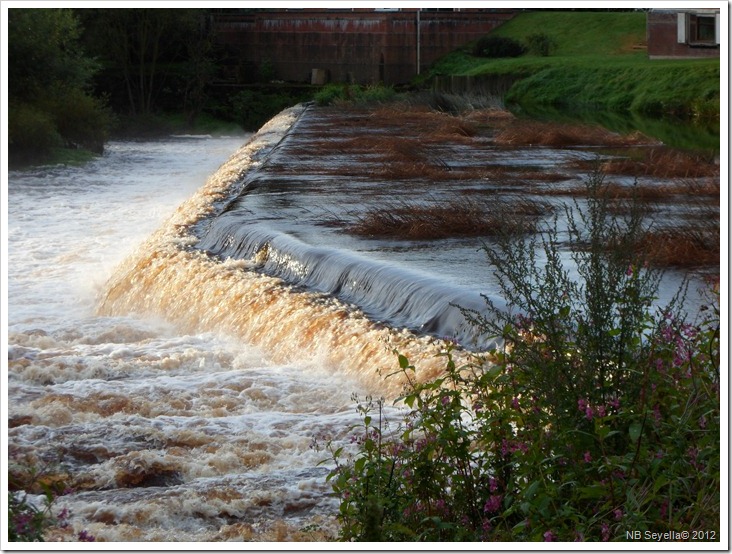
(386, 292)
(244, 327)
(214, 266)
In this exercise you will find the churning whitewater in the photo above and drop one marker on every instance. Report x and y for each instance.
(174, 392)
(184, 323)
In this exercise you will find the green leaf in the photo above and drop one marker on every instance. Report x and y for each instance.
(531, 490)
(409, 400)
(635, 431)
(594, 491)
(359, 465)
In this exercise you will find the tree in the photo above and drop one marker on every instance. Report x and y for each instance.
(48, 76)
(151, 54)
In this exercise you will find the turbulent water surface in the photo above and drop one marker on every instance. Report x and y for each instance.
(186, 317)
(169, 431)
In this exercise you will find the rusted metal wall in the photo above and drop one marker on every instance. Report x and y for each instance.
(663, 41)
(351, 46)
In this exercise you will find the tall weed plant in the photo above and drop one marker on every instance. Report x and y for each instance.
(31, 517)
(597, 420)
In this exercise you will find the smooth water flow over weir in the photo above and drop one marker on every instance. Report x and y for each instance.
(217, 268)
(293, 241)
(184, 322)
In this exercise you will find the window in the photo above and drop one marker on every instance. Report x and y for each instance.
(701, 29)
(698, 29)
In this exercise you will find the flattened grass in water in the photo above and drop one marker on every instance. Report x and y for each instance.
(541, 133)
(460, 217)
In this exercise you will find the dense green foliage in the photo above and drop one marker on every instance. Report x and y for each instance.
(599, 416)
(48, 77)
(151, 59)
(491, 46)
(252, 108)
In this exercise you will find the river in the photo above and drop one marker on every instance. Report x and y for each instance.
(184, 321)
(167, 435)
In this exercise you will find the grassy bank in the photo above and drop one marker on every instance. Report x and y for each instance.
(597, 61)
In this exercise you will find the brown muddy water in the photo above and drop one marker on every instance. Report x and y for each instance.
(184, 322)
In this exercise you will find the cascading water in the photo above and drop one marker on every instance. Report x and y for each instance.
(174, 366)
(179, 401)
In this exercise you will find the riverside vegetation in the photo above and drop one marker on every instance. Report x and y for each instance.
(77, 76)
(599, 417)
(594, 61)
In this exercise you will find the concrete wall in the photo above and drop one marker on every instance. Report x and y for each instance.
(663, 36)
(349, 46)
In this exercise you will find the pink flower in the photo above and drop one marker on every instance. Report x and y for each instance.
(605, 529)
(84, 536)
(549, 537)
(493, 484)
(493, 504)
(588, 457)
(693, 453)
(486, 526)
(589, 414)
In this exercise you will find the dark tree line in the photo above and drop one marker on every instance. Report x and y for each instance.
(49, 79)
(75, 73)
(150, 58)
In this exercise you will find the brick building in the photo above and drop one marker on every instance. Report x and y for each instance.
(346, 45)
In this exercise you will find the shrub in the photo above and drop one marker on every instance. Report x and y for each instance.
(373, 94)
(599, 416)
(356, 94)
(498, 47)
(31, 133)
(329, 94)
(82, 120)
(252, 109)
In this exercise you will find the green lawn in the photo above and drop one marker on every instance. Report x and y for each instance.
(596, 64)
